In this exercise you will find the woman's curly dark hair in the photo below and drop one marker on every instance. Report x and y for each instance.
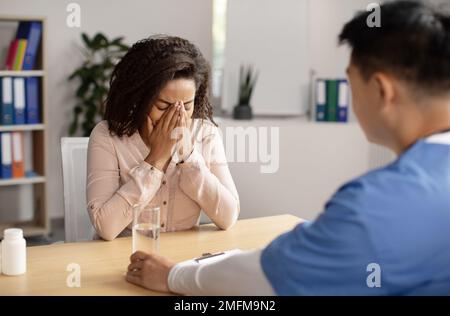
(138, 78)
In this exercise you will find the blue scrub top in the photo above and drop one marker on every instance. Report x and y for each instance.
(392, 223)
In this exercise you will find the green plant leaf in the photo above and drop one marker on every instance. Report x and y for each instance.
(74, 74)
(82, 89)
(93, 75)
(100, 41)
(74, 125)
(78, 109)
(118, 43)
(86, 40)
(247, 81)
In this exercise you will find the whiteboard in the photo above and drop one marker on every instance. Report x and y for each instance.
(271, 35)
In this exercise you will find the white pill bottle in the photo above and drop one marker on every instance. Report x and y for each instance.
(14, 252)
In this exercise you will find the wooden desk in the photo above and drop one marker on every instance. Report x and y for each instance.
(103, 264)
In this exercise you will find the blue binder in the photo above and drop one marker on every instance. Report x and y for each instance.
(5, 156)
(32, 100)
(321, 100)
(19, 100)
(31, 31)
(343, 101)
(6, 101)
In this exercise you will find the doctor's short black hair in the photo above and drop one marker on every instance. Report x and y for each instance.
(412, 43)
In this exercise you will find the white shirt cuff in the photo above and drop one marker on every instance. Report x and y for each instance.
(237, 273)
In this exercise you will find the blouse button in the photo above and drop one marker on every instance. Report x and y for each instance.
(162, 225)
(164, 202)
(164, 182)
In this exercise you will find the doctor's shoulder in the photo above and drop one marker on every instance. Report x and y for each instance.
(368, 189)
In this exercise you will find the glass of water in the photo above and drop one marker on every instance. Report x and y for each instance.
(146, 228)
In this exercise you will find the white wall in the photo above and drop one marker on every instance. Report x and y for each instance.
(134, 19)
(314, 160)
(285, 40)
(272, 36)
(327, 17)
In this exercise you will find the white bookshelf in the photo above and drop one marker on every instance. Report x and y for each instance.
(27, 194)
(22, 73)
(18, 181)
(25, 127)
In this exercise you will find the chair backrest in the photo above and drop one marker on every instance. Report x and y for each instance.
(77, 225)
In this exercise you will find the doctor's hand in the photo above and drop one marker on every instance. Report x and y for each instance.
(150, 271)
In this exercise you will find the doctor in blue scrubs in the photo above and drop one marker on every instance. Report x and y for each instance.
(386, 232)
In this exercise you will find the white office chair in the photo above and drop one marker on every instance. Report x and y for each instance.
(77, 225)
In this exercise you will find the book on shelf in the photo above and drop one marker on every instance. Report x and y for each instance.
(343, 100)
(19, 100)
(6, 101)
(18, 167)
(331, 105)
(20, 54)
(32, 105)
(11, 55)
(321, 100)
(5, 156)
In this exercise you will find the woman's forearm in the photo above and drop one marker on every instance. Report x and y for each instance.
(107, 220)
(111, 208)
(208, 190)
(144, 182)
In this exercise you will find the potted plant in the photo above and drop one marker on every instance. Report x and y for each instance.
(247, 81)
(101, 55)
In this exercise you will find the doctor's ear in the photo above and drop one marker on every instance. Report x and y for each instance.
(385, 88)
